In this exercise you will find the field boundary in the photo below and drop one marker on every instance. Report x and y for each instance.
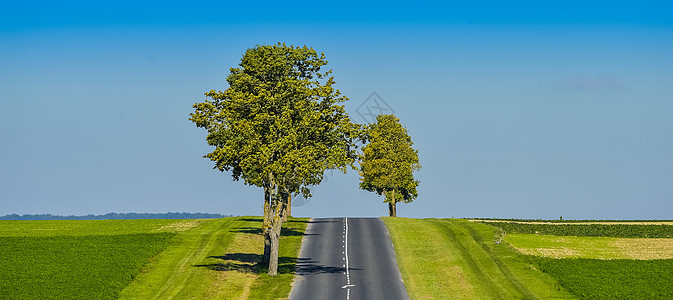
(576, 223)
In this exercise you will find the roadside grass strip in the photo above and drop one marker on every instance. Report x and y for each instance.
(220, 260)
(441, 258)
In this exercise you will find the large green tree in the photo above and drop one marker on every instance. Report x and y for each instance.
(388, 162)
(279, 125)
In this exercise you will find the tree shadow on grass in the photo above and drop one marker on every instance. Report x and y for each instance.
(298, 221)
(252, 220)
(249, 263)
(256, 230)
(285, 222)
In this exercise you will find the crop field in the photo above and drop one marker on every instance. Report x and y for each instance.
(631, 230)
(592, 247)
(142, 259)
(599, 261)
(76, 259)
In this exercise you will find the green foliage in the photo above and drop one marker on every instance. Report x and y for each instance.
(623, 231)
(279, 125)
(611, 279)
(74, 267)
(280, 120)
(388, 161)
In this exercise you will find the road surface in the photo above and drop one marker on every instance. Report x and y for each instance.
(347, 258)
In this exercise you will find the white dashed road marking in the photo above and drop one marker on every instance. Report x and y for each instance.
(345, 252)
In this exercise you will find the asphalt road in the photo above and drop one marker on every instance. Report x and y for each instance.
(347, 258)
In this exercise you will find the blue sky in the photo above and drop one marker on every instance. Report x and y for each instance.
(518, 109)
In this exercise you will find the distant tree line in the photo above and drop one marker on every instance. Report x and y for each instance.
(117, 216)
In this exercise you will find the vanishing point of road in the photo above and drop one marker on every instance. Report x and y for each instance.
(347, 258)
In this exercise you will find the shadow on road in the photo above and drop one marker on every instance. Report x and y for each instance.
(306, 266)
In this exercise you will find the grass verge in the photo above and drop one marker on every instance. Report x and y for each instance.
(441, 258)
(220, 260)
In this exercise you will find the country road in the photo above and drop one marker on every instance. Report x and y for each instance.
(347, 258)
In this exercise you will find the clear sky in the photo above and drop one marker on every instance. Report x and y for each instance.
(519, 109)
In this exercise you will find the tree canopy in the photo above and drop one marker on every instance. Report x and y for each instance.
(388, 162)
(279, 125)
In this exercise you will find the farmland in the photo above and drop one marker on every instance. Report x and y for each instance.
(141, 259)
(220, 258)
(591, 247)
(588, 260)
(611, 279)
(632, 230)
(76, 259)
(599, 261)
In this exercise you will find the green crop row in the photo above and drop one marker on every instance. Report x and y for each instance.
(74, 267)
(623, 231)
(610, 279)
(563, 221)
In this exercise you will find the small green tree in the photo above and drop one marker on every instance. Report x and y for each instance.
(388, 162)
(278, 126)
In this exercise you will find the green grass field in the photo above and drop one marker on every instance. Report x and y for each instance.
(611, 279)
(76, 259)
(438, 258)
(218, 260)
(142, 259)
(599, 263)
(459, 259)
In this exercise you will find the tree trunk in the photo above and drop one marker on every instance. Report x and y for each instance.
(288, 208)
(392, 206)
(275, 243)
(277, 205)
(266, 226)
(392, 209)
